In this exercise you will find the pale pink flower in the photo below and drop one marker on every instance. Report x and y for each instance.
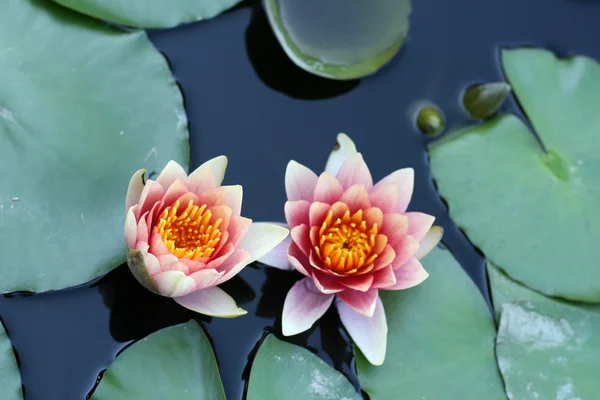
(350, 239)
(185, 236)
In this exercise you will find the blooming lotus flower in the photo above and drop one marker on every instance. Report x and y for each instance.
(350, 239)
(185, 236)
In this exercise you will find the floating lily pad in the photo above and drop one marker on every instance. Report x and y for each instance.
(505, 290)
(150, 13)
(10, 387)
(286, 371)
(440, 340)
(82, 107)
(548, 351)
(177, 362)
(533, 213)
(337, 39)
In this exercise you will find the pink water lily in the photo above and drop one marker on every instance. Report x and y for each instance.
(185, 236)
(350, 238)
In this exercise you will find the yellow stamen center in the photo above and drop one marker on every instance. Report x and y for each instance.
(188, 233)
(345, 245)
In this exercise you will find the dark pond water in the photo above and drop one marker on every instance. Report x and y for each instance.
(246, 100)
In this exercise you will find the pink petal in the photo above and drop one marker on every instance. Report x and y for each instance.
(409, 274)
(404, 178)
(238, 227)
(234, 264)
(151, 194)
(419, 224)
(369, 334)
(134, 191)
(362, 283)
(326, 283)
(157, 246)
(317, 213)
(216, 261)
(429, 241)
(385, 197)
(405, 250)
(296, 212)
(170, 174)
(357, 198)
(355, 172)
(380, 244)
(373, 216)
(130, 229)
(142, 230)
(299, 260)
(338, 210)
(151, 217)
(384, 277)
(174, 283)
(261, 238)
(213, 168)
(277, 257)
(343, 150)
(220, 212)
(385, 258)
(230, 196)
(206, 278)
(208, 262)
(300, 182)
(169, 262)
(300, 235)
(151, 264)
(395, 227)
(303, 306)
(142, 265)
(212, 301)
(363, 302)
(328, 189)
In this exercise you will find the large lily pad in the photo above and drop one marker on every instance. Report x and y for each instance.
(82, 107)
(548, 350)
(505, 290)
(286, 371)
(177, 362)
(339, 39)
(533, 213)
(150, 13)
(10, 380)
(440, 340)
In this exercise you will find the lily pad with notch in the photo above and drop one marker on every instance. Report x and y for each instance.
(533, 208)
(177, 362)
(440, 340)
(82, 107)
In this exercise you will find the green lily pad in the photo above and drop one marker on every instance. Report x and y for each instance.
(286, 371)
(440, 340)
(338, 40)
(177, 362)
(548, 351)
(82, 107)
(505, 290)
(534, 214)
(150, 13)
(11, 388)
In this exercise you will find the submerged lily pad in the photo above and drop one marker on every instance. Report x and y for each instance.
(548, 351)
(339, 39)
(10, 387)
(82, 107)
(533, 213)
(505, 290)
(177, 362)
(440, 340)
(286, 371)
(150, 13)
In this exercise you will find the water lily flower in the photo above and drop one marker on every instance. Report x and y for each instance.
(350, 238)
(185, 236)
